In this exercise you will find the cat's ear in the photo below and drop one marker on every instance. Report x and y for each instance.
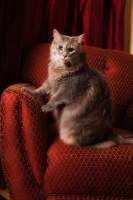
(57, 36)
(80, 39)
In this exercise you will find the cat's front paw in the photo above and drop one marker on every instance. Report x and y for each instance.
(46, 108)
(24, 89)
(28, 91)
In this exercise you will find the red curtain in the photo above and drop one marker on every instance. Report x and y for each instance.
(102, 21)
(20, 24)
(27, 22)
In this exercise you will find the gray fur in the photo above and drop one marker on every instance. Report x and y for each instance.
(80, 96)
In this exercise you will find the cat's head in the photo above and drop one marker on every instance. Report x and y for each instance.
(66, 49)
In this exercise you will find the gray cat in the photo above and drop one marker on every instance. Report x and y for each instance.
(80, 96)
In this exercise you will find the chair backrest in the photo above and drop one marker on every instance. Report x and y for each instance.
(116, 65)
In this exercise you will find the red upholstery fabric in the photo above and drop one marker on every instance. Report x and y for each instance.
(76, 170)
(38, 165)
(74, 197)
(38, 58)
(24, 139)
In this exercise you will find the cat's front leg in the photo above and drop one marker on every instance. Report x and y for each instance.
(55, 101)
(35, 93)
(51, 105)
(47, 108)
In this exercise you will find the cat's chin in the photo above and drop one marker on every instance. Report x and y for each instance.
(67, 64)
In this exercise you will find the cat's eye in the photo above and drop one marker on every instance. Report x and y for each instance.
(71, 50)
(60, 47)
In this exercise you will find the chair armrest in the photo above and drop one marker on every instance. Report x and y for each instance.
(24, 138)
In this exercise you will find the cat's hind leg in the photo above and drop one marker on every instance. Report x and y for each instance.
(113, 141)
(68, 139)
(104, 145)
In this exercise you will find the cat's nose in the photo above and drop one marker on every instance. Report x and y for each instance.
(64, 55)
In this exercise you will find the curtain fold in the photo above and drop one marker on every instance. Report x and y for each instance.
(102, 21)
(114, 24)
(27, 22)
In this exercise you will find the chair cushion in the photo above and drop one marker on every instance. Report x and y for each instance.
(85, 171)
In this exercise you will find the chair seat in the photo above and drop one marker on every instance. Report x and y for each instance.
(108, 172)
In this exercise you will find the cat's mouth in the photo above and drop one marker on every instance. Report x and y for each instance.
(66, 59)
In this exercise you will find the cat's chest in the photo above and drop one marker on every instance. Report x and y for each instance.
(73, 84)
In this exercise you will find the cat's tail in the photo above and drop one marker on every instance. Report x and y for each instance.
(113, 141)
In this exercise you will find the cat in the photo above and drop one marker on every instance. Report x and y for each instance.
(80, 96)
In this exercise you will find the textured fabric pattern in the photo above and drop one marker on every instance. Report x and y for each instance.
(74, 170)
(24, 138)
(35, 67)
(118, 68)
(74, 197)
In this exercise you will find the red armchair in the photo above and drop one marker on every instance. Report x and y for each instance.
(38, 165)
